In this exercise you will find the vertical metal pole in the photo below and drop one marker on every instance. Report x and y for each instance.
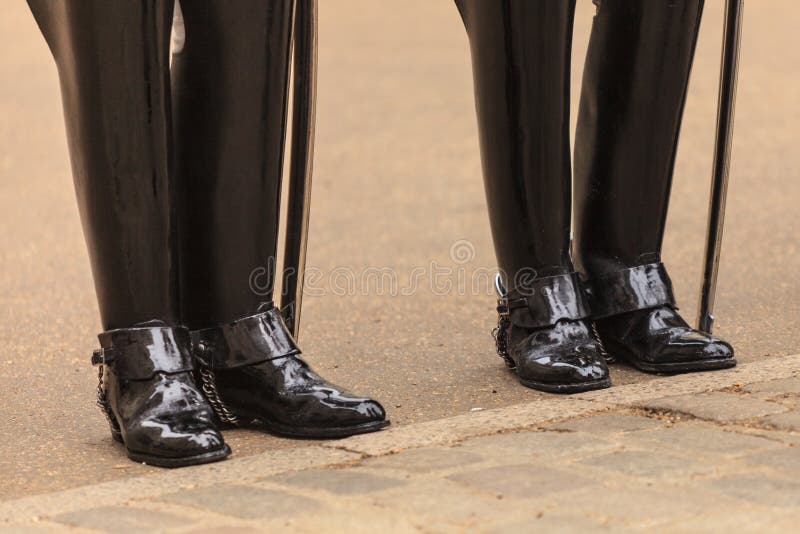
(301, 162)
(722, 156)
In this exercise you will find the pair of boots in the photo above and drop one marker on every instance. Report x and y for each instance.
(177, 161)
(548, 336)
(165, 390)
(606, 287)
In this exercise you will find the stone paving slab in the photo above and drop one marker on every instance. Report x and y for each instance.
(617, 467)
(523, 481)
(706, 439)
(783, 421)
(741, 522)
(541, 445)
(337, 481)
(605, 424)
(778, 387)
(773, 491)
(123, 518)
(716, 406)
(786, 460)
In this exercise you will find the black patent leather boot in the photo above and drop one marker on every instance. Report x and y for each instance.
(520, 58)
(251, 372)
(544, 336)
(639, 54)
(638, 321)
(148, 393)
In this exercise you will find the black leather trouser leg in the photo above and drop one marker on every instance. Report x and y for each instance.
(230, 85)
(229, 95)
(634, 89)
(113, 62)
(521, 65)
(112, 58)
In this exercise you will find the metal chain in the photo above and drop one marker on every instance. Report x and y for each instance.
(209, 386)
(603, 352)
(500, 335)
(102, 402)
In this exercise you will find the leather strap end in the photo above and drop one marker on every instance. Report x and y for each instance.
(140, 353)
(545, 301)
(637, 288)
(246, 341)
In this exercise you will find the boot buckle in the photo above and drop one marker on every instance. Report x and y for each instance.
(101, 357)
(502, 300)
(98, 358)
(502, 307)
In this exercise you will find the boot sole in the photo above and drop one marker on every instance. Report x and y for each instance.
(161, 461)
(315, 433)
(566, 388)
(671, 368)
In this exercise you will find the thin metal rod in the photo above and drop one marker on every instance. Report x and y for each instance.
(301, 161)
(722, 156)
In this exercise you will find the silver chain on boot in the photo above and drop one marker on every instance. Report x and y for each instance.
(603, 352)
(102, 402)
(500, 332)
(500, 335)
(209, 386)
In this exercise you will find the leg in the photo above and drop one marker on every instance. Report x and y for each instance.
(112, 59)
(230, 92)
(634, 89)
(520, 56)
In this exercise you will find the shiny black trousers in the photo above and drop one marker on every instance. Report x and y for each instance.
(634, 87)
(177, 173)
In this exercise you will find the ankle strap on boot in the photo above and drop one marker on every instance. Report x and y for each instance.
(246, 341)
(545, 301)
(140, 353)
(637, 288)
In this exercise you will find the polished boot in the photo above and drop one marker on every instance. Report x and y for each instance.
(520, 57)
(113, 64)
(543, 336)
(634, 88)
(230, 99)
(658, 340)
(150, 398)
(251, 372)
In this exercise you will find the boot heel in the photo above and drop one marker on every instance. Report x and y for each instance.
(113, 426)
(105, 407)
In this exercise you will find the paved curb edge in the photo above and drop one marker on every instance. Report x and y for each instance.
(350, 450)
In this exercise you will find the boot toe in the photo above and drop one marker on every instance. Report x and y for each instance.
(341, 412)
(569, 369)
(659, 340)
(591, 372)
(170, 439)
(693, 346)
(717, 350)
(577, 372)
(369, 411)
